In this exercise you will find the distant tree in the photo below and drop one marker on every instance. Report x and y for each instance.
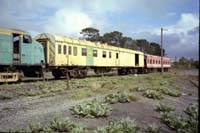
(90, 34)
(130, 44)
(156, 49)
(116, 38)
(125, 42)
(196, 64)
(144, 46)
(112, 38)
(183, 61)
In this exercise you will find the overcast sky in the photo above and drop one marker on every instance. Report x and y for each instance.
(139, 19)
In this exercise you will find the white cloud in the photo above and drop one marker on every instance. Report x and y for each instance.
(187, 22)
(67, 22)
(180, 39)
(171, 14)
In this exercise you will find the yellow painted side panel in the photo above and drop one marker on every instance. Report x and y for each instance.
(60, 59)
(126, 56)
(141, 60)
(66, 59)
(126, 59)
(100, 61)
(79, 59)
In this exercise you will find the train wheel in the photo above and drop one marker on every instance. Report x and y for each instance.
(56, 73)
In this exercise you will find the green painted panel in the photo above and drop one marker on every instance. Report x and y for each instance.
(26, 53)
(32, 53)
(6, 49)
(89, 58)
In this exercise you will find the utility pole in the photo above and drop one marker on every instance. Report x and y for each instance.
(161, 46)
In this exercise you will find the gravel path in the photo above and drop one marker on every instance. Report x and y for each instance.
(18, 113)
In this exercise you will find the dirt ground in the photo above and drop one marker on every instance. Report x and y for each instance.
(18, 113)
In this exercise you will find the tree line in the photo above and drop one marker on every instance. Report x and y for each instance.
(186, 63)
(116, 38)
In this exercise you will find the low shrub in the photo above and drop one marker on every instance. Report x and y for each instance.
(192, 111)
(5, 96)
(36, 128)
(121, 126)
(153, 94)
(163, 108)
(91, 109)
(122, 97)
(140, 89)
(152, 128)
(59, 125)
(174, 121)
(171, 92)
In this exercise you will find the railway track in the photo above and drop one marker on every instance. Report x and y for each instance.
(49, 77)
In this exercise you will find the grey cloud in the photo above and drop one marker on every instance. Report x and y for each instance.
(194, 31)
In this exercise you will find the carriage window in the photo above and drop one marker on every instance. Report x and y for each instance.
(27, 39)
(84, 52)
(104, 54)
(75, 51)
(70, 50)
(59, 49)
(117, 55)
(16, 41)
(150, 61)
(94, 53)
(64, 49)
(110, 54)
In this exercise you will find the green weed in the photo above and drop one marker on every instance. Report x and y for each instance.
(91, 109)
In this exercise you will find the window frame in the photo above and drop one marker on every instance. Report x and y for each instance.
(64, 49)
(103, 54)
(117, 55)
(59, 49)
(69, 50)
(83, 51)
(110, 54)
(75, 51)
(95, 54)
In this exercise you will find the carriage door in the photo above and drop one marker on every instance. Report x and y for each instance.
(117, 59)
(136, 60)
(16, 48)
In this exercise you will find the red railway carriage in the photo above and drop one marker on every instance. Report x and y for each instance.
(154, 62)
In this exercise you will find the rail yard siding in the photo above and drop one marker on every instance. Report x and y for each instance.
(126, 57)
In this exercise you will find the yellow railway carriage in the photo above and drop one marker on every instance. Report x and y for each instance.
(64, 53)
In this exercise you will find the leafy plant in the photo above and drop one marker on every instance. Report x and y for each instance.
(120, 97)
(163, 108)
(174, 121)
(91, 109)
(153, 94)
(171, 92)
(59, 125)
(5, 96)
(152, 128)
(121, 126)
(192, 111)
(35, 128)
(140, 89)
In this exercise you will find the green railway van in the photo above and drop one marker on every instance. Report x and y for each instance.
(19, 51)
